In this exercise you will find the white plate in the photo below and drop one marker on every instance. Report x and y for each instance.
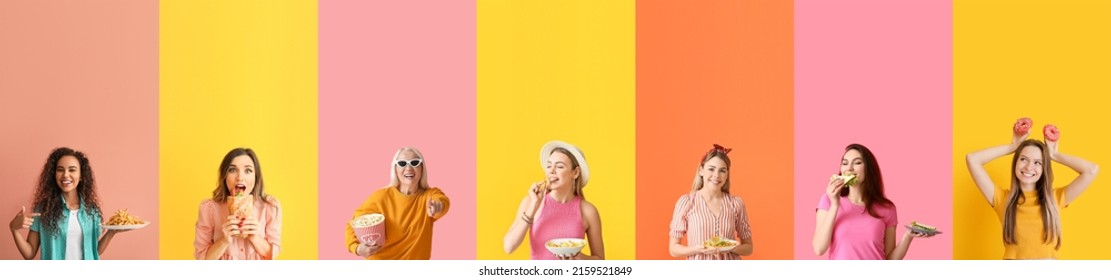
(728, 248)
(126, 227)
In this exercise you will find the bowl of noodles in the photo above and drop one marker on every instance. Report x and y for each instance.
(370, 228)
(565, 247)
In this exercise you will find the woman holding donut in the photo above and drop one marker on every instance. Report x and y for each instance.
(1029, 206)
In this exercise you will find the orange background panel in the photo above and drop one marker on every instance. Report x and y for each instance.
(715, 72)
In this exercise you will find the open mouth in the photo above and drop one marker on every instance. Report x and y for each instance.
(1029, 174)
(240, 188)
(410, 175)
(67, 182)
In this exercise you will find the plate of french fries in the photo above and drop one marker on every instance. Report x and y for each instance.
(124, 221)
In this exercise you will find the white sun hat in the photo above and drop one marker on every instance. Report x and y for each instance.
(546, 152)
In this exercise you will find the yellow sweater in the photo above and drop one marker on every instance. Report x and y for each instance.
(408, 226)
(1029, 236)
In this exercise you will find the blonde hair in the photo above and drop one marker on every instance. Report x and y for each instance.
(718, 152)
(1051, 217)
(394, 182)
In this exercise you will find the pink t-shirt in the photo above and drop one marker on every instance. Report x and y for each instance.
(856, 234)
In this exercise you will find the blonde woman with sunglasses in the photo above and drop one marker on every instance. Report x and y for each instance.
(410, 207)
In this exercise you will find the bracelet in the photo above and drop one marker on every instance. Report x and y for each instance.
(526, 218)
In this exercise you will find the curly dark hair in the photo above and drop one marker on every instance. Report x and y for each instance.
(48, 196)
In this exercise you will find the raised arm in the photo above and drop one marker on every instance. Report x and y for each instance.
(205, 245)
(1087, 170)
(438, 204)
(522, 220)
(976, 161)
(825, 217)
(28, 247)
(518, 228)
(267, 239)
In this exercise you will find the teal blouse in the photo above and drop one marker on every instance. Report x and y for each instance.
(53, 246)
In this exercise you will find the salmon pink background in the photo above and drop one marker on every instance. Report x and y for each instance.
(83, 75)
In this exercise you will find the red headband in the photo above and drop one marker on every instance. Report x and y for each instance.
(719, 148)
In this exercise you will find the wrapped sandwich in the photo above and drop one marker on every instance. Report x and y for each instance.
(241, 205)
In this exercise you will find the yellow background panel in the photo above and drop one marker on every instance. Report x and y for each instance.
(1049, 61)
(237, 74)
(556, 70)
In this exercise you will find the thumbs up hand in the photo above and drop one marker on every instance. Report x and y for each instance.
(23, 219)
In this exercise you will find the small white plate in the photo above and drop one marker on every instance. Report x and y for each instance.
(727, 248)
(126, 227)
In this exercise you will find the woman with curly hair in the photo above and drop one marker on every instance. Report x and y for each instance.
(65, 221)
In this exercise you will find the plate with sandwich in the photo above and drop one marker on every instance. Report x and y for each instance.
(921, 228)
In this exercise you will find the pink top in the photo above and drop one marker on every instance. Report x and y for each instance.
(211, 218)
(555, 220)
(856, 234)
(694, 219)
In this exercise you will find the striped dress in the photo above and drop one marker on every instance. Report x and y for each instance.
(694, 219)
(555, 220)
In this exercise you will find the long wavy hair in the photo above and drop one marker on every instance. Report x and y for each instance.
(871, 185)
(717, 152)
(48, 195)
(221, 193)
(1051, 218)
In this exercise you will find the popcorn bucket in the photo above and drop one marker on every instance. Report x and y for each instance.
(370, 228)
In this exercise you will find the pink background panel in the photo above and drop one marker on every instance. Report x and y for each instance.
(82, 75)
(393, 74)
(878, 73)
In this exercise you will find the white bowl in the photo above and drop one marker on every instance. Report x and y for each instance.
(576, 246)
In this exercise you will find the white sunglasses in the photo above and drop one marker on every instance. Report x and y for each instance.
(412, 162)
